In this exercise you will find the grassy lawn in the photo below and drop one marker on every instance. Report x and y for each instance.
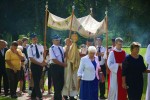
(142, 52)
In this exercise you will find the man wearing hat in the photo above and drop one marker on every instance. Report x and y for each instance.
(35, 53)
(57, 64)
(100, 54)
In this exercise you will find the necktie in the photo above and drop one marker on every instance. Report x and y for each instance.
(61, 54)
(37, 52)
(99, 50)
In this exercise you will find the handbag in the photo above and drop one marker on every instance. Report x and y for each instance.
(101, 77)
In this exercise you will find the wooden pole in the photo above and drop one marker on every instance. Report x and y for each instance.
(73, 7)
(45, 30)
(94, 37)
(106, 20)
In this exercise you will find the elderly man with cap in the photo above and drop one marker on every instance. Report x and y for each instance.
(57, 64)
(35, 53)
(100, 54)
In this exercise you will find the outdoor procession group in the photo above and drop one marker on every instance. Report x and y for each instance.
(26, 63)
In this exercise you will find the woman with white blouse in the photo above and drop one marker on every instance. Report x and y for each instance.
(88, 75)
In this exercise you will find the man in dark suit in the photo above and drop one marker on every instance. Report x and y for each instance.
(3, 73)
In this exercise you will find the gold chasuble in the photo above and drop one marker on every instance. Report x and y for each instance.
(73, 61)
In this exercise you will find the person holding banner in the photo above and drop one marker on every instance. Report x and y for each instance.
(57, 64)
(69, 89)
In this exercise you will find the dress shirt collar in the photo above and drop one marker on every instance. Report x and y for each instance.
(34, 44)
(56, 45)
(117, 49)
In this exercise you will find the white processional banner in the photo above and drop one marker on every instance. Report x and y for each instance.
(86, 26)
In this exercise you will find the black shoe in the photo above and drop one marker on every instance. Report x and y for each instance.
(33, 98)
(14, 97)
(72, 98)
(65, 97)
(103, 97)
(39, 98)
(6, 94)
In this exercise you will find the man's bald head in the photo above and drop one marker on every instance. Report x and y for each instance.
(68, 41)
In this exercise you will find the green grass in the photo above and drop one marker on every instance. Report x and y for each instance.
(142, 51)
(6, 98)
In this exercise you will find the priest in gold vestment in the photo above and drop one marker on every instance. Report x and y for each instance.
(70, 73)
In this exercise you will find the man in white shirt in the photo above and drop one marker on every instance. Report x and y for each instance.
(57, 64)
(35, 53)
(147, 58)
(100, 54)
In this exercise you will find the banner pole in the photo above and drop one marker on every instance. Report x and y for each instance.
(73, 7)
(45, 30)
(106, 19)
